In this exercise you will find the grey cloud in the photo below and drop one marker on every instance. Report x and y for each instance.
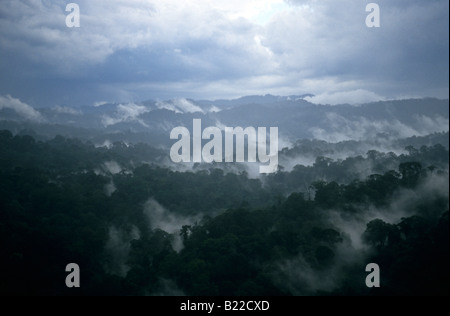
(133, 50)
(329, 39)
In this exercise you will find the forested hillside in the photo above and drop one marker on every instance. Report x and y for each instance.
(136, 227)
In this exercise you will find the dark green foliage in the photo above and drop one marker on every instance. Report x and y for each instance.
(54, 211)
(415, 254)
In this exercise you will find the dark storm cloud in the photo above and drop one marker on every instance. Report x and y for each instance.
(134, 50)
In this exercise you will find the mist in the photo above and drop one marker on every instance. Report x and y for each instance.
(160, 218)
(299, 277)
(118, 248)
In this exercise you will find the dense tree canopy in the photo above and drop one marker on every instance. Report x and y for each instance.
(64, 201)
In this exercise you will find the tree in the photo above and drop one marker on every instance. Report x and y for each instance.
(380, 233)
(411, 172)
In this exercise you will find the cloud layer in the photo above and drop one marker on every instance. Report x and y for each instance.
(134, 50)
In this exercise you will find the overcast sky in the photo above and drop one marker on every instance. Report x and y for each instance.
(134, 50)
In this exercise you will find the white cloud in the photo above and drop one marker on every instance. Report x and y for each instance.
(214, 109)
(355, 97)
(20, 108)
(360, 128)
(257, 11)
(100, 103)
(112, 167)
(180, 105)
(66, 110)
(437, 124)
(110, 188)
(126, 113)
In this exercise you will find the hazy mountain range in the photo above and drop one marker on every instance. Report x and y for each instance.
(151, 121)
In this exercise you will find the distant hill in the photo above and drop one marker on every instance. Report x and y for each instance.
(151, 121)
